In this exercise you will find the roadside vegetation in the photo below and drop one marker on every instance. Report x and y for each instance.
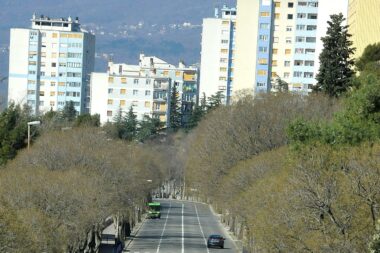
(291, 173)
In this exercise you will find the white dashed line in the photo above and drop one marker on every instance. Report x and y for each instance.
(200, 226)
(163, 230)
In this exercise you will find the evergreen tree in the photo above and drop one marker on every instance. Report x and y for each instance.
(13, 131)
(88, 120)
(215, 100)
(175, 109)
(371, 54)
(148, 127)
(282, 86)
(129, 125)
(69, 113)
(336, 72)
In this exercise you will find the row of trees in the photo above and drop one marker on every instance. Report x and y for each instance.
(298, 174)
(57, 196)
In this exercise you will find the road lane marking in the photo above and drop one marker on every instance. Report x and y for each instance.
(183, 233)
(163, 230)
(200, 226)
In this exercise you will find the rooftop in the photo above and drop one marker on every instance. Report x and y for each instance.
(61, 24)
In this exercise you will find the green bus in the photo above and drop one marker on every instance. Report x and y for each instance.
(154, 210)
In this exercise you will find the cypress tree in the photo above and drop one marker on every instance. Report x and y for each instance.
(175, 109)
(336, 69)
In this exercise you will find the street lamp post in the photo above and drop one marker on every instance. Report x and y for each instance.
(32, 123)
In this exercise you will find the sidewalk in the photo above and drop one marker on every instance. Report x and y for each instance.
(134, 233)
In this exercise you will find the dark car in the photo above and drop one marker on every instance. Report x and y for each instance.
(215, 241)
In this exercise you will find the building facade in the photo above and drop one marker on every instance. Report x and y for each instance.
(146, 87)
(363, 21)
(283, 38)
(50, 64)
(218, 54)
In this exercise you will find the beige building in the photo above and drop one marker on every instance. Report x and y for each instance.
(364, 22)
(245, 60)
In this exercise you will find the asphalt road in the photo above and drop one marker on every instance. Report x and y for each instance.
(183, 228)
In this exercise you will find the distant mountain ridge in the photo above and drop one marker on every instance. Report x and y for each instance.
(169, 29)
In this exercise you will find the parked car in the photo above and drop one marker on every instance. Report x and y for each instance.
(215, 241)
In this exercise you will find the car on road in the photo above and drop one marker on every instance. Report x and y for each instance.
(215, 241)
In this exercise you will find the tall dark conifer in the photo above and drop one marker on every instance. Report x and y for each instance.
(336, 69)
(175, 109)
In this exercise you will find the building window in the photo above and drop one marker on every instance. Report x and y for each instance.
(52, 84)
(311, 28)
(286, 74)
(147, 93)
(135, 92)
(110, 91)
(300, 39)
(110, 102)
(276, 40)
(263, 61)
(308, 75)
(274, 63)
(288, 40)
(260, 84)
(290, 5)
(31, 92)
(264, 26)
(264, 14)
(147, 81)
(299, 50)
(277, 4)
(54, 35)
(223, 69)
(124, 80)
(287, 63)
(277, 15)
(289, 28)
(301, 15)
(122, 102)
(312, 16)
(136, 81)
(52, 93)
(123, 91)
(275, 50)
(290, 16)
(309, 51)
(301, 27)
(298, 63)
(263, 49)
(109, 113)
(110, 79)
(147, 104)
(297, 74)
(263, 37)
(309, 63)
(288, 51)
(311, 39)
(262, 72)
(224, 41)
(224, 51)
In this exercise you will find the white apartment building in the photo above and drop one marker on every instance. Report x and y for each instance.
(50, 64)
(146, 87)
(281, 39)
(217, 56)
